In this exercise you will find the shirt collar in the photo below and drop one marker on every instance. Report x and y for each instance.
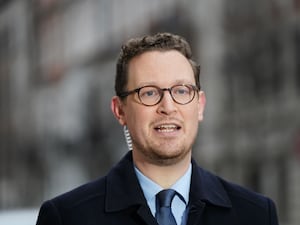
(150, 188)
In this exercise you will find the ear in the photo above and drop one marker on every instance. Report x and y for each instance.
(117, 109)
(201, 103)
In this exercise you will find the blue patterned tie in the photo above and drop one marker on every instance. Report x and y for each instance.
(164, 215)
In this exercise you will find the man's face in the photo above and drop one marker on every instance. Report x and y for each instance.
(162, 134)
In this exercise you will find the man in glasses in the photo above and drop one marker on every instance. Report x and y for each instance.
(159, 102)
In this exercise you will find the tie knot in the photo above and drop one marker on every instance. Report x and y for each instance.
(165, 197)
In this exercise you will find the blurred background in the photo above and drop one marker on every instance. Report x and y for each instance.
(57, 68)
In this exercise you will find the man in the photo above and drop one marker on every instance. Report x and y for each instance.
(159, 102)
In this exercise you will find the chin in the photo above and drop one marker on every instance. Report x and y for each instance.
(169, 158)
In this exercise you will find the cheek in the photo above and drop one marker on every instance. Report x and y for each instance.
(136, 119)
(196, 114)
(192, 119)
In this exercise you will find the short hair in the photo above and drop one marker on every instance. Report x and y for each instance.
(159, 41)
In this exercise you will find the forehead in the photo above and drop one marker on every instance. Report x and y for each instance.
(160, 68)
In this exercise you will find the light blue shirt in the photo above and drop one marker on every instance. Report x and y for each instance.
(182, 186)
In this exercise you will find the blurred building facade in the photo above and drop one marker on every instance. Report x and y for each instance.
(57, 61)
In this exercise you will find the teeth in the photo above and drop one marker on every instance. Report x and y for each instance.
(167, 128)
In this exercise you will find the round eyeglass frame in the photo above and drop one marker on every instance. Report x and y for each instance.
(161, 92)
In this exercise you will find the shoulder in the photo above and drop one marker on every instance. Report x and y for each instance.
(213, 185)
(79, 201)
(84, 194)
(247, 205)
(250, 205)
(236, 192)
(239, 194)
(96, 201)
(97, 189)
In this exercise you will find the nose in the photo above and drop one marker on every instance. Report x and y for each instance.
(166, 106)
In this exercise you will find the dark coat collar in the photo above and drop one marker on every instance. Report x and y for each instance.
(122, 186)
(206, 187)
(124, 191)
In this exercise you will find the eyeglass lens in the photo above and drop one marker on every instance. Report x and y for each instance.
(151, 95)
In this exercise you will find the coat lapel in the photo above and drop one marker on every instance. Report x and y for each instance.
(195, 212)
(206, 193)
(125, 193)
(145, 214)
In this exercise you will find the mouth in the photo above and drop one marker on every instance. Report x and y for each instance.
(167, 128)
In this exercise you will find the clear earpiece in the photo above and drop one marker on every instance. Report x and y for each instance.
(127, 137)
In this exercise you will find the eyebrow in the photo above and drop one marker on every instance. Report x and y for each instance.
(154, 83)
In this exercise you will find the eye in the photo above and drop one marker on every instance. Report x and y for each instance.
(148, 92)
(181, 90)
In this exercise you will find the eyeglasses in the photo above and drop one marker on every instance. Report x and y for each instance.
(151, 95)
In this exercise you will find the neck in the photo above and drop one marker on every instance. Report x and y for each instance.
(164, 175)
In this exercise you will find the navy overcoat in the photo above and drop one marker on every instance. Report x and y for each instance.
(117, 199)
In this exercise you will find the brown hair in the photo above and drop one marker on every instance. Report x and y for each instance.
(160, 41)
